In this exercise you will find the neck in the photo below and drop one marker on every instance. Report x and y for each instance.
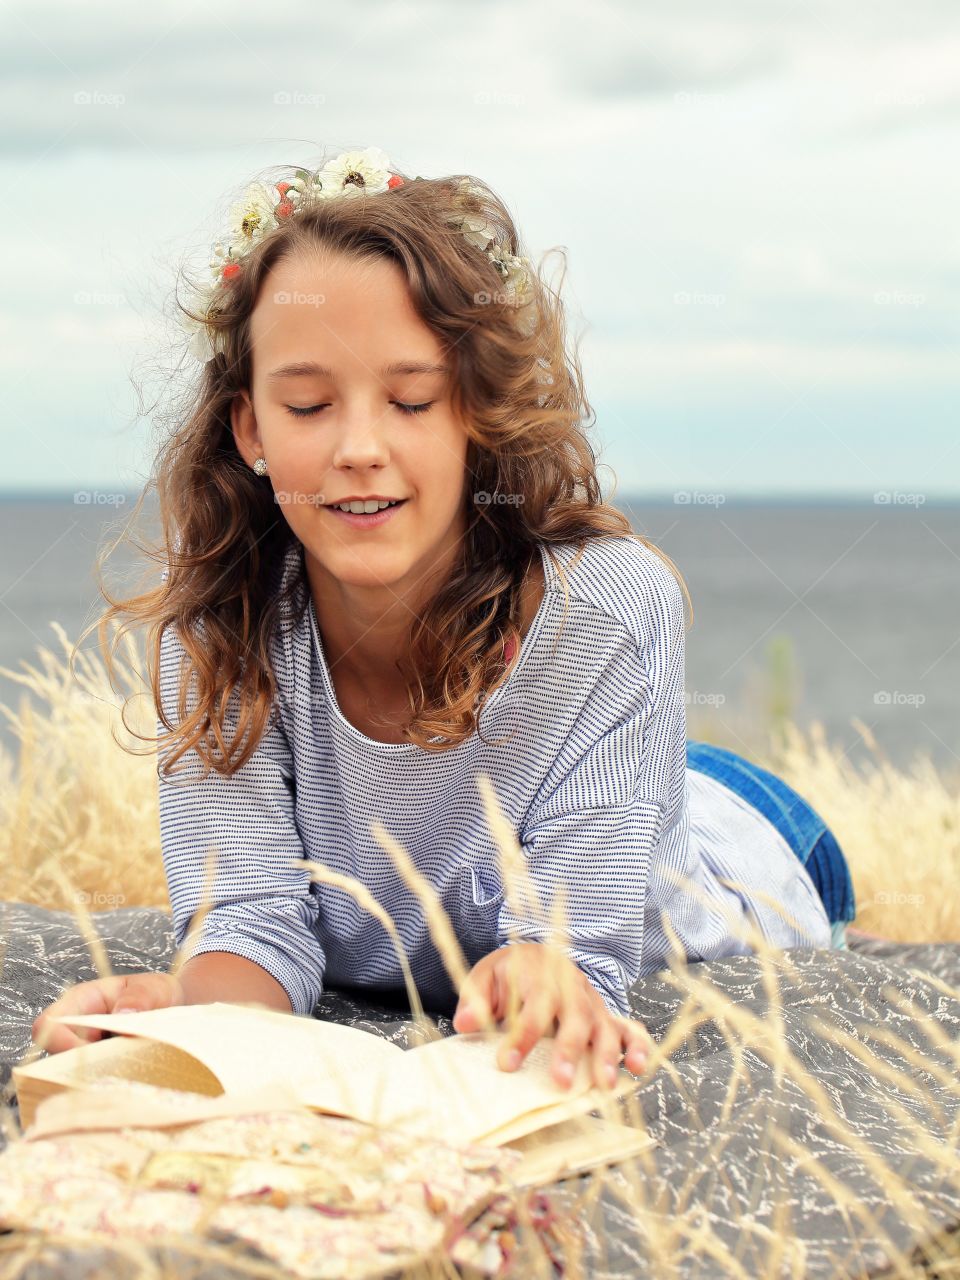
(366, 628)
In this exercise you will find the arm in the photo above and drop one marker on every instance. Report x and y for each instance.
(595, 827)
(263, 911)
(220, 975)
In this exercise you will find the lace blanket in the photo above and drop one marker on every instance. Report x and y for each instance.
(838, 1162)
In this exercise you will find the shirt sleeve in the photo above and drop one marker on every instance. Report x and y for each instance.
(619, 780)
(262, 907)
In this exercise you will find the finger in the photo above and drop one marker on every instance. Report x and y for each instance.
(95, 996)
(475, 1006)
(512, 980)
(607, 1038)
(635, 1040)
(54, 1038)
(139, 991)
(576, 1025)
(536, 1018)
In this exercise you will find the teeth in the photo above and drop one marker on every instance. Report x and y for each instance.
(364, 508)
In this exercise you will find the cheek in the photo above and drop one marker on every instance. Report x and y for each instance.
(286, 443)
(441, 488)
(441, 463)
(298, 473)
(298, 456)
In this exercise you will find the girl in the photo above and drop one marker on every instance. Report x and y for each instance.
(390, 571)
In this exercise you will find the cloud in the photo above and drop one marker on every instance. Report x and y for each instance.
(178, 76)
(787, 158)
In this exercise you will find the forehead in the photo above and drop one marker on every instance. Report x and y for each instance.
(328, 306)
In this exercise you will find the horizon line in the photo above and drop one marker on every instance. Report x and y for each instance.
(653, 496)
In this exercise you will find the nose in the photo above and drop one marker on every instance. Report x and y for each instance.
(361, 438)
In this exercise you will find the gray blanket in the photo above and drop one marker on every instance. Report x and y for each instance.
(722, 1179)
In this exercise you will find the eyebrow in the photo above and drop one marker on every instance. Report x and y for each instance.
(309, 369)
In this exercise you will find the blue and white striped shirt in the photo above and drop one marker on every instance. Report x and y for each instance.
(593, 780)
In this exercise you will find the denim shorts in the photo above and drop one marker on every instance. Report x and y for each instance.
(797, 821)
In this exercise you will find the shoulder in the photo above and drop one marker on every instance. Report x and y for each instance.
(626, 583)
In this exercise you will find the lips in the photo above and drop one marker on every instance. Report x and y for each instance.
(335, 506)
(361, 520)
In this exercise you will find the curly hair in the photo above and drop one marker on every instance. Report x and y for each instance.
(521, 398)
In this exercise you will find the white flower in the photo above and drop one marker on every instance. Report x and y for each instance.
(513, 270)
(355, 172)
(201, 345)
(252, 217)
(467, 188)
(518, 286)
(478, 231)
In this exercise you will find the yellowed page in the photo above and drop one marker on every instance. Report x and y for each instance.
(334, 1068)
(450, 1088)
(121, 1104)
(454, 1087)
(573, 1147)
(593, 1100)
(121, 1058)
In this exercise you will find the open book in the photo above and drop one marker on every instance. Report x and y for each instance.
(450, 1088)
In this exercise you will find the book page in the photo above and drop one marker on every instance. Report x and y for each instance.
(127, 1104)
(120, 1058)
(334, 1068)
(454, 1087)
(593, 1100)
(573, 1147)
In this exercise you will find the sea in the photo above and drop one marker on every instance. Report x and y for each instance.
(840, 612)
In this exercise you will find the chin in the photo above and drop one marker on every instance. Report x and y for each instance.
(368, 566)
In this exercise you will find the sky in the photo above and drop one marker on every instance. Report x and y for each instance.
(757, 199)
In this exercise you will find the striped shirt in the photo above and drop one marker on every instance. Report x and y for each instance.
(585, 747)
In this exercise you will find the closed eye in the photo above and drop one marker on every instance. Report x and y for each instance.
(315, 408)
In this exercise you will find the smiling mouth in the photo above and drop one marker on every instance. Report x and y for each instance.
(367, 519)
(336, 506)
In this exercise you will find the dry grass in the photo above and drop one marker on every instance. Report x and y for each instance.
(78, 801)
(900, 830)
(79, 831)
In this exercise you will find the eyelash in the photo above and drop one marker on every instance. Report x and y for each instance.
(409, 409)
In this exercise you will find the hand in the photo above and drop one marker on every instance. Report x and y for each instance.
(538, 988)
(119, 994)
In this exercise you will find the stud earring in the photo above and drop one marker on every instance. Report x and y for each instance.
(260, 466)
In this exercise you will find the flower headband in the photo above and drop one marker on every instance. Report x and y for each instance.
(348, 175)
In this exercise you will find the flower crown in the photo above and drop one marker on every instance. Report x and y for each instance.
(348, 175)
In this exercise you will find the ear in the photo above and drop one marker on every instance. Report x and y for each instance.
(243, 423)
